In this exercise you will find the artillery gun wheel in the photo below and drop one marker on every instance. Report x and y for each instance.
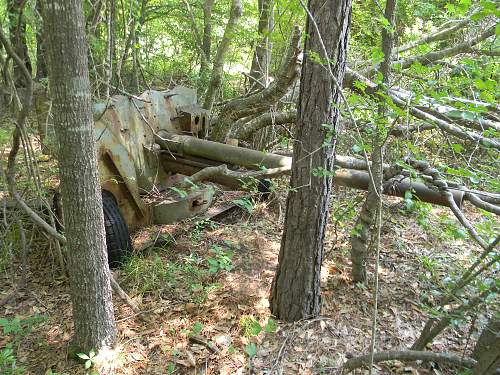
(118, 242)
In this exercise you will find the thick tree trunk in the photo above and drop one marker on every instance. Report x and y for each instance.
(296, 287)
(487, 350)
(93, 317)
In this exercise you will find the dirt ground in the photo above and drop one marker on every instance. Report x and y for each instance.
(218, 334)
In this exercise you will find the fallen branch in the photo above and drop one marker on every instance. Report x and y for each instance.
(246, 130)
(409, 356)
(124, 296)
(202, 341)
(446, 126)
(211, 173)
(478, 202)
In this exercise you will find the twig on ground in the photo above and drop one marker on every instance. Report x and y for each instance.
(408, 356)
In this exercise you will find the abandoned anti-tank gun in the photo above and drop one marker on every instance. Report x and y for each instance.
(145, 143)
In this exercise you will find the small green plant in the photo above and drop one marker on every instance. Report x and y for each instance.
(8, 364)
(250, 326)
(90, 359)
(199, 227)
(182, 193)
(244, 203)
(251, 350)
(15, 330)
(221, 261)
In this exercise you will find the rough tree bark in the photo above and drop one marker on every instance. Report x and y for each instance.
(362, 228)
(94, 325)
(295, 292)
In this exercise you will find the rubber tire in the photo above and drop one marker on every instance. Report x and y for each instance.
(118, 241)
(264, 187)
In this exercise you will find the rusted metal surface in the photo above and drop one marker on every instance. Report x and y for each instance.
(186, 145)
(129, 165)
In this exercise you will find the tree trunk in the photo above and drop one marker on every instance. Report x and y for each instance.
(41, 66)
(362, 228)
(206, 46)
(110, 51)
(487, 350)
(295, 293)
(17, 31)
(261, 58)
(94, 325)
(222, 50)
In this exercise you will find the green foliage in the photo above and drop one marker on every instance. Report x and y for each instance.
(89, 359)
(244, 203)
(15, 330)
(221, 260)
(190, 277)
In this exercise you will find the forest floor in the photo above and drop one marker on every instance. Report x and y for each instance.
(206, 296)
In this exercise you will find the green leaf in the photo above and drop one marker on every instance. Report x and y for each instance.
(197, 328)
(271, 326)
(88, 363)
(83, 356)
(357, 149)
(251, 350)
(255, 328)
(457, 147)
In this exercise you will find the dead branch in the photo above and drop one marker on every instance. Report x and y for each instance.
(478, 202)
(211, 173)
(446, 126)
(425, 59)
(124, 296)
(202, 341)
(408, 356)
(442, 34)
(289, 71)
(433, 56)
(246, 130)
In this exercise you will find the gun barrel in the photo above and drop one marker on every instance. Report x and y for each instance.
(192, 146)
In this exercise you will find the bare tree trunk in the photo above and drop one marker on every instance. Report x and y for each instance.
(259, 71)
(206, 45)
(216, 79)
(487, 350)
(41, 66)
(94, 325)
(362, 228)
(110, 14)
(295, 292)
